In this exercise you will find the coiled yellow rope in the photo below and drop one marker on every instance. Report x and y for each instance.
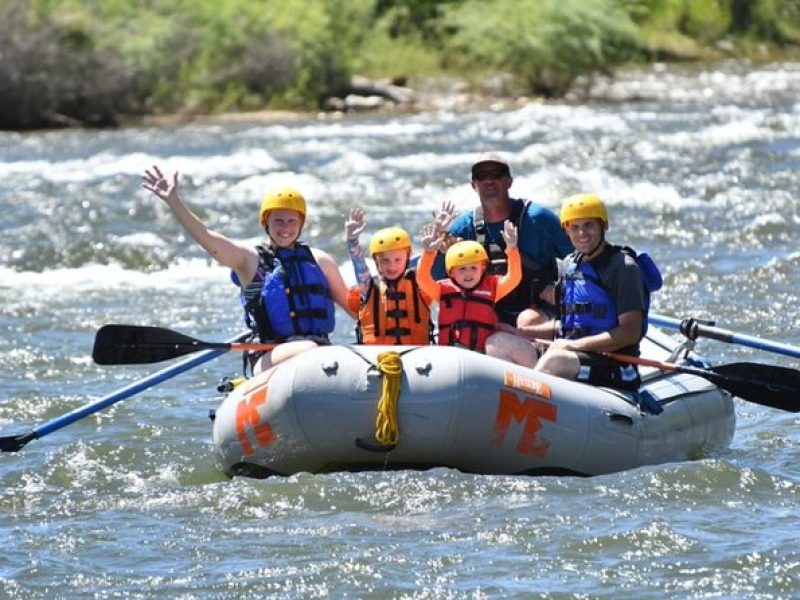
(387, 431)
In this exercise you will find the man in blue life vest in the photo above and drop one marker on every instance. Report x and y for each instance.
(541, 241)
(602, 301)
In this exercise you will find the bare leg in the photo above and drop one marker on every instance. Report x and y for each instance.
(281, 353)
(512, 348)
(561, 363)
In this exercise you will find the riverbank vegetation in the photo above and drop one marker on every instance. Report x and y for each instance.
(90, 62)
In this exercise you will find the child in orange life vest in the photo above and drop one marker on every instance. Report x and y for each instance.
(391, 308)
(468, 296)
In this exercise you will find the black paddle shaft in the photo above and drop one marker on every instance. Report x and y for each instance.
(135, 344)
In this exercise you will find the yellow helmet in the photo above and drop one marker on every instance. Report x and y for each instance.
(391, 238)
(583, 206)
(464, 253)
(285, 197)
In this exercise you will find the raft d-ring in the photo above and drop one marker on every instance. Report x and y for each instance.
(330, 367)
(424, 367)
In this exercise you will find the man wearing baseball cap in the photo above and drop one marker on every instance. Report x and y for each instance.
(541, 240)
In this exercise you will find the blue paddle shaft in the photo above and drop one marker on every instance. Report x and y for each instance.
(730, 337)
(131, 389)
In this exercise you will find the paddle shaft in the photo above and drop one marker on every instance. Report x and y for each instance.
(729, 337)
(14, 443)
(767, 385)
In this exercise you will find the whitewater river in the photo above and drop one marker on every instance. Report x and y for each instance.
(699, 168)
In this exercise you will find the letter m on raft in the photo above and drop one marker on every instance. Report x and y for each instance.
(247, 418)
(527, 413)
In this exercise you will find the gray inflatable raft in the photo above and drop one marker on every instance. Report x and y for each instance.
(460, 409)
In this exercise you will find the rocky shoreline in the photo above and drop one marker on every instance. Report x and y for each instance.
(368, 96)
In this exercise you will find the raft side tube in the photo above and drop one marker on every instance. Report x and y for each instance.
(460, 409)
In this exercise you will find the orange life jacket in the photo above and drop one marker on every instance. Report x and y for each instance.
(394, 314)
(467, 317)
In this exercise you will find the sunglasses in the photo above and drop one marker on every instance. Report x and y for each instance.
(493, 174)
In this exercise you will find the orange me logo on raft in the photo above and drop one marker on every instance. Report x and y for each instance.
(248, 419)
(528, 412)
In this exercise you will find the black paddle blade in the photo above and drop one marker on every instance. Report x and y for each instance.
(136, 345)
(14, 443)
(778, 387)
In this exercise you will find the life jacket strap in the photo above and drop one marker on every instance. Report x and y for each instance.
(309, 313)
(447, 298)
(314, 288)
(395, 295)
(398, 332)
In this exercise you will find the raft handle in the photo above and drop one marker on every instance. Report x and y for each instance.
(618, 417)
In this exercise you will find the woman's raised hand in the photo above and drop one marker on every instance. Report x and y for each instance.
(154, 181)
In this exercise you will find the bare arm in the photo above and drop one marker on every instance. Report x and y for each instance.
(234, 255)
(627, 333)
(543, 331)
(338, 287)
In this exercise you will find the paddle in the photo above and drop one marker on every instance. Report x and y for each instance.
(777, 387)
(135, 344)
(13, 443)
(692, 328)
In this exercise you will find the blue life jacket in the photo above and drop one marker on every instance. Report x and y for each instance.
(586, 307)
(289, 295)
(585, 304)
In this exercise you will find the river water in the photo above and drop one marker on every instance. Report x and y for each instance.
(699, 168)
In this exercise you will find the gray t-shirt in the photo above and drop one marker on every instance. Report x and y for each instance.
(621, 278)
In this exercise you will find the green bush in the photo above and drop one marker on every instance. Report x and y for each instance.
(89, 61)
(708, 21)
(547, 44)
(53, 73)
(393, 49)
(773, 20)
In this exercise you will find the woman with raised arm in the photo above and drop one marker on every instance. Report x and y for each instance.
(287, 288)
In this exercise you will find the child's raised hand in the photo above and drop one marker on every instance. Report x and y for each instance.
(444, 216)
(429, 239)
(354, 223)
(510, 234)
